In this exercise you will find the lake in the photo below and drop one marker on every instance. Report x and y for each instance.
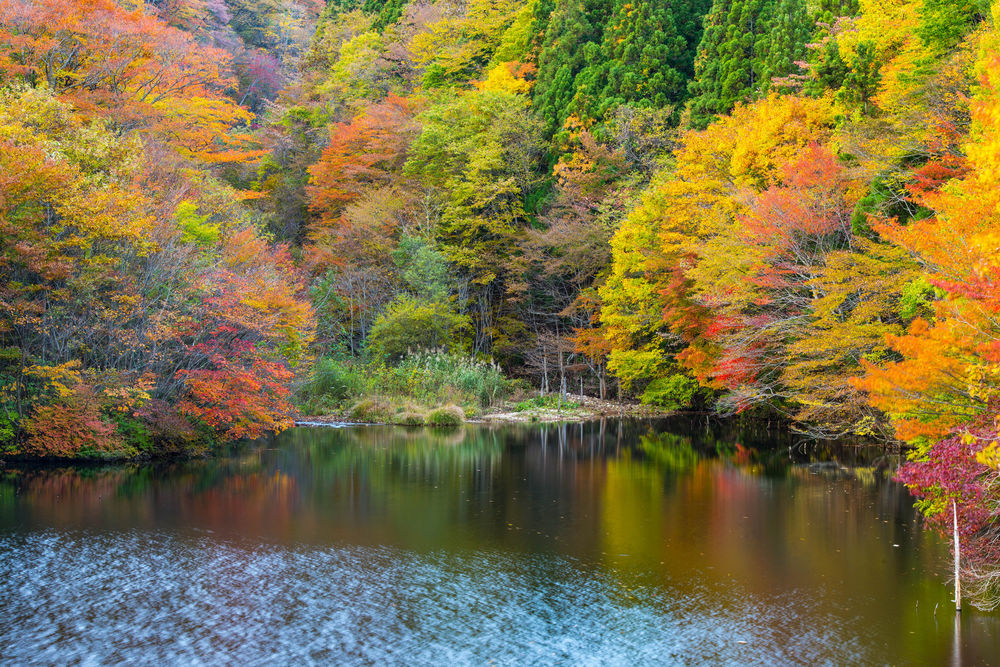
(605, 543)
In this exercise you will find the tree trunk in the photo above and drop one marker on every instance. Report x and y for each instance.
(958, 557)
(562, 377)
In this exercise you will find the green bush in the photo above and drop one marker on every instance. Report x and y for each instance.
(136, 433)
(918, 298)
(8, 430)
(410, 323)
(448, 416)
(335, 380)
(674, 392)
(318, 405)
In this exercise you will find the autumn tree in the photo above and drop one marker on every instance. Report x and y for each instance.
(563, 262)
(131, 69)
(477, 155)
(459, 46)
(109, 270)
(364, 154)
(762, 305)
(941, 395)
(684, 238)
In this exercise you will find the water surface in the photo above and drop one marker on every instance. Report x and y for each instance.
(604, 543)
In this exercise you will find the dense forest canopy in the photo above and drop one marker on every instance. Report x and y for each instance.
(780, 208)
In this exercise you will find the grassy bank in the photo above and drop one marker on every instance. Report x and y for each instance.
(431, 388)
(438, 389)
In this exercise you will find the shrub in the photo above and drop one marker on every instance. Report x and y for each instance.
(318, 405)
(371, 411)
(136, 433)
(674, 392)
(547, 402)
(73, 428)
(333, 380)
(412, 419)
(8, 430)
(171, 431)
(410, 323)
(447, 416)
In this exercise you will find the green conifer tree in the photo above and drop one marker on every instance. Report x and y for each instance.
(572, 26)
(541, 14)
(789, 30)
(600, 54)
(745, 44)
(839, 7)
(648, 52)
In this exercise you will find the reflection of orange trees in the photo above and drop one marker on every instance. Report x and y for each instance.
(259, 501)
(69, 495)
(256, 501)
(70, 484)
(726, 523)
(735, 454)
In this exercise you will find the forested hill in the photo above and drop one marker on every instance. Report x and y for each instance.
(214, 210)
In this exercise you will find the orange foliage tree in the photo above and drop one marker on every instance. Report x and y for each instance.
(951, 363)
(943, 394)
(785, 238)
(249, 329)
(365, 152)
(130, 68)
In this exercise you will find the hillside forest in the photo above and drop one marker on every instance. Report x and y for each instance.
(217, 214)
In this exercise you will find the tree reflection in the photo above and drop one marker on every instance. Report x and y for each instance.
(697, 509)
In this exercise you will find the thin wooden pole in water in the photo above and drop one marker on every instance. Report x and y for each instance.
(958, 556)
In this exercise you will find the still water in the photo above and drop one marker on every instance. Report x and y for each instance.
(597, 544)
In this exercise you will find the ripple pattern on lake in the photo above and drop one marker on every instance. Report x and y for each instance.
(146, 598)
(610, 543)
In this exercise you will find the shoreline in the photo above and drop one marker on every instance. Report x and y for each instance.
(585, 409)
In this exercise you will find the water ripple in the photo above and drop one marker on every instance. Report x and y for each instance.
(154, 598)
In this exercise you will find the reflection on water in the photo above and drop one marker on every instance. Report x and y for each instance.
(602, 543)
